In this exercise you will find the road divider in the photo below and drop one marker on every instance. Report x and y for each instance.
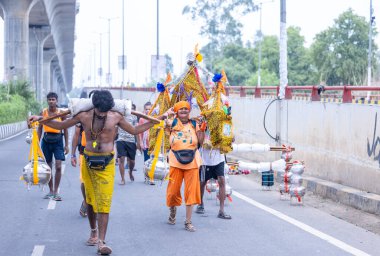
(52, 203)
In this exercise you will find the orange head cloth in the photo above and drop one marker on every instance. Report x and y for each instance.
(181, 104)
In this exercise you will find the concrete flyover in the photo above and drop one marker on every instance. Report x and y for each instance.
(39, 43)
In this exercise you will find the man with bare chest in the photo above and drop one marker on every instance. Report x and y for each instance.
(98, 169)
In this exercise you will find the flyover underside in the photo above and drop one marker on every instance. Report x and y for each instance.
(33, 28)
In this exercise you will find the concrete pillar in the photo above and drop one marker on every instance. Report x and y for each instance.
(16, 52)
(48, 56)
(37, 38)
(32, 71)
(56, 76)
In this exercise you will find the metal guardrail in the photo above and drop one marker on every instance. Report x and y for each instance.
(7, 130)
(345, 93)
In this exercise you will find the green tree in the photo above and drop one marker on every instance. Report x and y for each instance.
(270, 54)
(219, 22)
(267, 78)
(300, 68)
(340, 52)
(240, 63)
(237, 61)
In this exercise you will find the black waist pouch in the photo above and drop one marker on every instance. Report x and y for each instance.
(50, 137)
(184, 156)
(98, 163)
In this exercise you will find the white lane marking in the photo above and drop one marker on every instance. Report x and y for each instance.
(307, 228)
(52, 203)
(38, 250)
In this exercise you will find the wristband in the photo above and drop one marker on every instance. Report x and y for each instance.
(73, 156)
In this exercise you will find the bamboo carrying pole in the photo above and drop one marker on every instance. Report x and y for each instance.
(68, 112)
(64, 113)
(150, 118)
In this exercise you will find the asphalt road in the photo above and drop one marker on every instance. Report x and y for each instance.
(262, 224)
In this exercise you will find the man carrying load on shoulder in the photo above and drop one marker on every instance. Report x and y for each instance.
(98, 169)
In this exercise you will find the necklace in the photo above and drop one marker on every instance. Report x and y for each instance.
(95, 134)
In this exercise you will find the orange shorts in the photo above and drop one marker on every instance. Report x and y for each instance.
(192, 187)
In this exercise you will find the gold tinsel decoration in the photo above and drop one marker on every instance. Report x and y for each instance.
(163, 103)
(219, 123)
(190, 86)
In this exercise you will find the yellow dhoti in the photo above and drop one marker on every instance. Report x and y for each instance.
(99, 184)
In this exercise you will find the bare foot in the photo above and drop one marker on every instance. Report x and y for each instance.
(122, 182)
(131, 176)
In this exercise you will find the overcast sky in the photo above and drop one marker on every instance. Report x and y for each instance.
(178, 33)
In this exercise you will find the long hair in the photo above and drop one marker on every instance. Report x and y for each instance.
(102, 100)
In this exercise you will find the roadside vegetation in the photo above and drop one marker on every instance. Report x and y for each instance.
(16, 101)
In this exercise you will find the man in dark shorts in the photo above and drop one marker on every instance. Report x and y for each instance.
(213, 167)
(52, 145)
(127, 145)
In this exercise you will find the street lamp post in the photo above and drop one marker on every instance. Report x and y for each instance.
(158, 49)
(259, 62)
(109, 53)
(369, 69)
(283, 70)
(94, 58)
(100, 71)
(122, 65)
(108, 75)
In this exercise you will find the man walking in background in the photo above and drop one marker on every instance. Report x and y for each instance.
(127, 145)
(144, 137)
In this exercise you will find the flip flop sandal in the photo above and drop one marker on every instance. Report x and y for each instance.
(103, 249)
(92, 241)
(173, 211)
(48, 196)
(189, 226)
(200, 209)
(224, 216)
(83, 210)
(57, 197)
